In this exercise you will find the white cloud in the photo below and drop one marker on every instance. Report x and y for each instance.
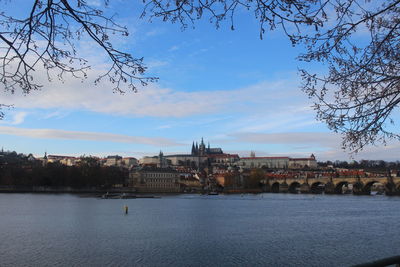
(164, 127)
(89, 136)
(173, 48)
(155, 101)
(17, 118)
(156, 64)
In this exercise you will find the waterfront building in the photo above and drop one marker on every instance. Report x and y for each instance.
(190, 183)
(155, 180)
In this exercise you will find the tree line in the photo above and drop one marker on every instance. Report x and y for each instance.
(368, 165)
(24, 171)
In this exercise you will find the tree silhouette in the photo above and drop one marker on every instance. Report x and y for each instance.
(47, 38)
(357, 40)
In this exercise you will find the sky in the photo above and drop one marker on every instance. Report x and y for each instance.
(231, 88)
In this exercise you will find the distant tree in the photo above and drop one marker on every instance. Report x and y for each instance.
(231, 180)
(254, 179)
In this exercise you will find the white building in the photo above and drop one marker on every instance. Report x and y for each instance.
(267, 162)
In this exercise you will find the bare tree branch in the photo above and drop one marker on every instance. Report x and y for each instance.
(47, 39)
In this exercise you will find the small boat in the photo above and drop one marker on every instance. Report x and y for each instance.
(127, 196)
(213, 193)
(110, 196)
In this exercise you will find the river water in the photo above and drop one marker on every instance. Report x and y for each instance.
(194, 230)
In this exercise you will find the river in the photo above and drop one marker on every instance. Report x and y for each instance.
(194, 230)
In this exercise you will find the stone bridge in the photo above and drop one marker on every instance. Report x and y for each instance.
(331, 185)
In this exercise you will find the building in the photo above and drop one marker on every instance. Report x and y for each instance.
(223, 159)
(198, 158)
(299, 163)
(266, 162)
(129, 162)
(113, 161)
(65, 160)
(149, 161)
(277, 162)
(155, 180)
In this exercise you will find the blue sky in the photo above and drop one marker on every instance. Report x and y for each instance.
(238, 92)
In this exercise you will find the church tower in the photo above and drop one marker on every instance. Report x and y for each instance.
(161, 159)
(202, 148)
(193, 149)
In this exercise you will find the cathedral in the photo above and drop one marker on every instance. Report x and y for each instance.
(200, 157)
(201, 150)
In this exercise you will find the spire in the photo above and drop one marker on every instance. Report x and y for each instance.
(193, 149)
(161, 160)
(202, 142)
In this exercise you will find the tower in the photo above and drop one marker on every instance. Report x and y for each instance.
(202, 148)
(161, 159)
(193, 149)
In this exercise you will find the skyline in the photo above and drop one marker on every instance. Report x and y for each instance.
(235, 90)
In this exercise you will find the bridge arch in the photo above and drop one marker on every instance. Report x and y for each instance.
(294, 188)
(317, 188)
(339, 187)
(275, 187)
(368, 186)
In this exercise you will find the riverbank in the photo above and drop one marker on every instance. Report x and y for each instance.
(47, 189)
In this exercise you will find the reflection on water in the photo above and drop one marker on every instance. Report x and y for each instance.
(192, 230)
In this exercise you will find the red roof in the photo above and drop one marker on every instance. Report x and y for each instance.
(265, 158)
(224, 156)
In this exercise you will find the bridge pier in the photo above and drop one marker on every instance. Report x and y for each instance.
(267, 188)
(358, 189)
(305, 188)
(283, 188)
(329, 188)
(391, 190)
